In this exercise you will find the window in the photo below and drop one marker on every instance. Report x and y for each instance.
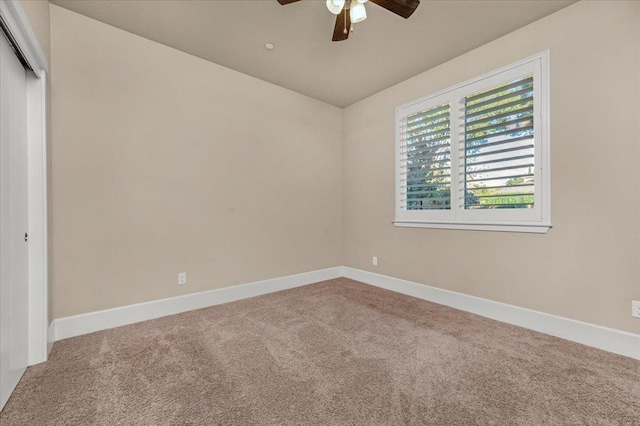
(476, 155)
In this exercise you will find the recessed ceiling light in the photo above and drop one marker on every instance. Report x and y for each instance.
(269, 46)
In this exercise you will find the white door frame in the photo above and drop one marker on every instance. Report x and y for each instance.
(17, 23)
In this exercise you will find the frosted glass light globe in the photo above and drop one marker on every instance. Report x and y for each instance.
(335, 6)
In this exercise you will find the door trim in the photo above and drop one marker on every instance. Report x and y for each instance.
(38, 229)
(16, 22)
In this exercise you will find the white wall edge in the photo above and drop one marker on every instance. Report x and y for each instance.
(608, 339)
(51, 337)
(101, 320)
(38, 237)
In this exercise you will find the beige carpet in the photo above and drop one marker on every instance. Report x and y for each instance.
(334, 353)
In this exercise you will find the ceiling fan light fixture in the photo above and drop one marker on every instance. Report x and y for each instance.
(335, 6)
(358, 11)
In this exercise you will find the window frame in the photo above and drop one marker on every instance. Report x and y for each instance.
(535, 220)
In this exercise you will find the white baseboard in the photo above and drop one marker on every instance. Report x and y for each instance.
(608, 339)
(101, 320)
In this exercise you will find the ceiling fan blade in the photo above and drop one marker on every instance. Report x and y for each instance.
(283, 2)
(404, 8)
(343, 26)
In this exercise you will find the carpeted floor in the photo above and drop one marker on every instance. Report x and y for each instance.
(333, 353)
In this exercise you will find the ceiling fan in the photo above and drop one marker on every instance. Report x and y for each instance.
(351, 12)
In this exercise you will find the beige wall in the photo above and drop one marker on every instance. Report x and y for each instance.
(586, 267)
(163, 163)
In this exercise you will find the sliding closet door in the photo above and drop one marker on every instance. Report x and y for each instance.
(14, 260)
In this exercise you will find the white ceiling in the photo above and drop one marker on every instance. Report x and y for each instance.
(384, 50)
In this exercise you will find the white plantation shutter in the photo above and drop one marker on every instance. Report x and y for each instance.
(425, 158)
(498, 157)
(475, 156)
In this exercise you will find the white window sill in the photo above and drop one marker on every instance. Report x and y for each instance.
(528, 228)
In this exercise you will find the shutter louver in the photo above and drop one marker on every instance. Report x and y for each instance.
(425, 159)
(497, 157)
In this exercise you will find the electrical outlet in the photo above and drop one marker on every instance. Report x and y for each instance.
(635, 308)
(374, 261)
(182, 278)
